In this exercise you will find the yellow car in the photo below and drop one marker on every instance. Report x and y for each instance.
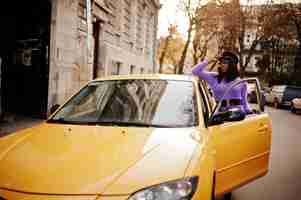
(144, 137)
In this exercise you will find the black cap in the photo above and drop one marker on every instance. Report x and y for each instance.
(229, 56)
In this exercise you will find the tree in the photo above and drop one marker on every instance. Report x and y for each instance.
(207, 28)
(288, 17)
(190, 8)
(232, 22)
(170, 49)
(228, 23)
(172, 30)
(282, 29)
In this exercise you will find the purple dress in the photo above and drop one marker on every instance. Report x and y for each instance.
(238, 92)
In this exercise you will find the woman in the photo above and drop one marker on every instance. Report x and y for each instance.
(220, 81)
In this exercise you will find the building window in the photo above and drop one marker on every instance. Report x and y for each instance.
(141, 70)
(248, 38)
(139, 25)
(116, 67)
(132, 69)
(147, 31)
(82, 16)
(127, 19)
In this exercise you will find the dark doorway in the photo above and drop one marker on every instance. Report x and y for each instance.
(24, 50)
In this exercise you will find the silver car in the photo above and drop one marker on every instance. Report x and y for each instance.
(296, 105)
(275, 96)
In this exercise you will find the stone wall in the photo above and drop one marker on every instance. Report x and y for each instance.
(127, 39)
(68, 55)
(128, 36)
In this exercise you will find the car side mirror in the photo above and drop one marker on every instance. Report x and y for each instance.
(231, 115)
(54, 108)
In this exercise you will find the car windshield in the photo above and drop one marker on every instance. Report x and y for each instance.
(157, 103)
(279, 88)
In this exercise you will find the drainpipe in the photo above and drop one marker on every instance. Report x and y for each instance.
(89, 36)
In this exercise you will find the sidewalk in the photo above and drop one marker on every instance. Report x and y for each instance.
(17, 122)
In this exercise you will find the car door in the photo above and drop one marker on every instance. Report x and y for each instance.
(242, 148)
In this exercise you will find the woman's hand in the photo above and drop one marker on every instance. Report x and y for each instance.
(213, 60)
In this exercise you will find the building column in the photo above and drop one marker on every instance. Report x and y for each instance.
(69, 68)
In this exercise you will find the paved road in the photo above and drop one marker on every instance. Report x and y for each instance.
(284, 179)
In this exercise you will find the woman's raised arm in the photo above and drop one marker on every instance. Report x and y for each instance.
(199, 70)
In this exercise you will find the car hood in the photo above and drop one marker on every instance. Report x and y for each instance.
(73, 159)
(297, 101)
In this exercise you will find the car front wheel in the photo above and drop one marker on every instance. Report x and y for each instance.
(293, 109)
(275, 104)
(228, 196)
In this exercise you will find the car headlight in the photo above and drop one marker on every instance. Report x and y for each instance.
(174, 190)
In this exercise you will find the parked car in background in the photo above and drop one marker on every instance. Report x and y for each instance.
(266, 92)
(296, 105)
(274, 96)
(282, 95)
(252, 94)
(290, 93)
(268, 95)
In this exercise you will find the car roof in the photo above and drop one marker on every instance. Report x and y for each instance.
(279, 86)
(180, 77)
(294, 87)
(287, 86)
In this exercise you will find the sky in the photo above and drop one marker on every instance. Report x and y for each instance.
(171, 14)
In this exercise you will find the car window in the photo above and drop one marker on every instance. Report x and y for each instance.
(205, 104)
(145, 102)
(278, 88)
(291, 92)
(209, 95)
(252, 97)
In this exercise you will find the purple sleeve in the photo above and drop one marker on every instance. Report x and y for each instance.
(244, 99)
(199, 70)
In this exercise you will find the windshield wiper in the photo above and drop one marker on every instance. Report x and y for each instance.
(63, 121)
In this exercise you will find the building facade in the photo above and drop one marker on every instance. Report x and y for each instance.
(122, 40)
(277, 51)
(51, 48)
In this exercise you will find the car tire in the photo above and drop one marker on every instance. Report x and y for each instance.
(293, 109)
(228, 196)
(276, 103)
